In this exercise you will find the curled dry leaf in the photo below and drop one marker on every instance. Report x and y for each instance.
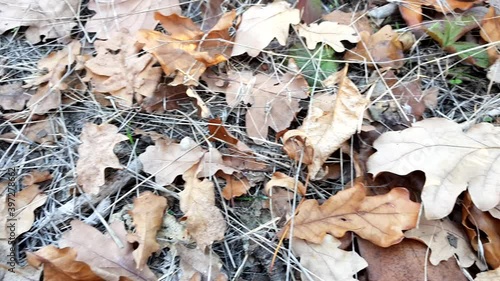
(331, 120)
(50, 85)
(61, 264)
(260, 25)
(13, 96)
(445, 239)
(49, 18)
(326, 261)
(330, 33)
(452, 159)
(382, 48)
(106, 259)
(96, 154)
(147, 215)
(119, 70)
(167, 160)
(380, 219)
(281, 192)
(483, 231)
(282, 180)
(274, 100)
(131, 15)
(187, 51)
(197, 264)
(204, 221)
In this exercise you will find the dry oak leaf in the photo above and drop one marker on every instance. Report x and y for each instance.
(358, 20)
(48, 18)
(132, 15)
(147, 216)
(285, 181)
(166, 160)
(274, 100)
(118, 69)
(445, 239)
(492, 275)
(382, 48)
(452, 159)
(55, 66)
(106, 259)
(43, 132)
(331, 120)
(197, 265)
(236, 185)
(96, 154)
(204, 221)
(380, 219)
(326, 261)
(60, 264)
(13, 96)
(187, 51)
(211, 162)
(260, 25)
(412, 13)
(330, 33)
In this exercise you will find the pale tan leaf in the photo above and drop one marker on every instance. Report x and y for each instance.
(96, 154)
(452, 159)
(43, 132)
(131, 15)
(330, 33)
(492, 275)
(203, 109)
(147, 216)
(282, 180)
(103, 255)
(211, 163)
(331, 120)
(204, 221)
(379, 219)
(13, 96)
(445, 239)
(325, 261)
(259, 25)
(166, 160)
(196, 262)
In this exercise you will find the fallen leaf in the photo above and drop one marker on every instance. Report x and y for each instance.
(11, 271)
(13, 96)
(329, 33)
(490, 27)
(48, 18)
(42, 132)
(274, 100)
(147, 216)
(96, 155)
(192, 49)
(120, 69)
(358, 20)
(452, 159)
(204, 221)
(236, 185)
(103, 255)
(165, 98)
(60, 264)
(260, 25)
(483, 231)
(211, 162)
(285, 181)
(382, 48)
(195, 262)
(494, 72)
(326, 261)
(131, 15)
(407, 261)
(310, 10)
(379, 219)
(36, 176)
(203, 110)
(166, 160)
(212, 12)
(445, 239)
(50, 85)
(331, 120)
(491, 275)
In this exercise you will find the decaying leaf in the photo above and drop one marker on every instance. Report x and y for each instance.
(452, 159)
(197, 264)
(204, 221)
(106, 259)
(13, 96)
(331, 120)
(48, 18)
(164, 98)
(167, 160)
(380, 219)
(259, 25)
(274, 100)
(236, 185)
(43, 132)
(326, 261)
(382, 48)
(491, 275)
(187, 51)
(445, 239)
(96, 154)
(60, 264)
(50, 85)
(119, 70)
(147, 216)
(131, 15)
(330, 33)
(483, 231)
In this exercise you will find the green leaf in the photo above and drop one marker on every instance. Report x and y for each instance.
(470, 52)
(317, 63)
(447, 33)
